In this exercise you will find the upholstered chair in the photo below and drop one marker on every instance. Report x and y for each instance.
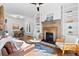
(70, 43)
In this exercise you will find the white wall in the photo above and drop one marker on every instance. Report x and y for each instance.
(45, 9)
(21, 22)
(51, 8)
(78, 19)
(11, 21)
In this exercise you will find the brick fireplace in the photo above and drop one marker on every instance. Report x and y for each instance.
(53, 29)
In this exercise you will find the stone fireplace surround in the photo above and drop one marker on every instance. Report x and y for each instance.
(52, 27)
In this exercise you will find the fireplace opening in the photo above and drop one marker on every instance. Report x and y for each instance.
(49, 38)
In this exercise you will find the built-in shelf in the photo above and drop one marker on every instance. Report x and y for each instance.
(70, 18)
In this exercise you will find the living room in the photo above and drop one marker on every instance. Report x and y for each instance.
(39, 29)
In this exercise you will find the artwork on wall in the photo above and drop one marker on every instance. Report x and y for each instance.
(49, 17)
(15, 27)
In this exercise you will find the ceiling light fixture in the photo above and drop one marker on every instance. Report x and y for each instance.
(37, 5)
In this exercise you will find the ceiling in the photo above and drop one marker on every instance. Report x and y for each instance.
(24, 9)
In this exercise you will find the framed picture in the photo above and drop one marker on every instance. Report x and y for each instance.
(49, 17)
(15, 27)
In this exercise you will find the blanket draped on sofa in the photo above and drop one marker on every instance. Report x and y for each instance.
(19, 44)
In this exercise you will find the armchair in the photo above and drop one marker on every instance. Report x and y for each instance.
(70, 43)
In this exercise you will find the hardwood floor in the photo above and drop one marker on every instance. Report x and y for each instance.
(67, 53)
(32, 52)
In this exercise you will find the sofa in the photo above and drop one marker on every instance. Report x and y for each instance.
(9, 44)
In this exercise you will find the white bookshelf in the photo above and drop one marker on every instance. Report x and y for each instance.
(70, 19)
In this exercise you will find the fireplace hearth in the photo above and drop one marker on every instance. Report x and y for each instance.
(49, 38)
